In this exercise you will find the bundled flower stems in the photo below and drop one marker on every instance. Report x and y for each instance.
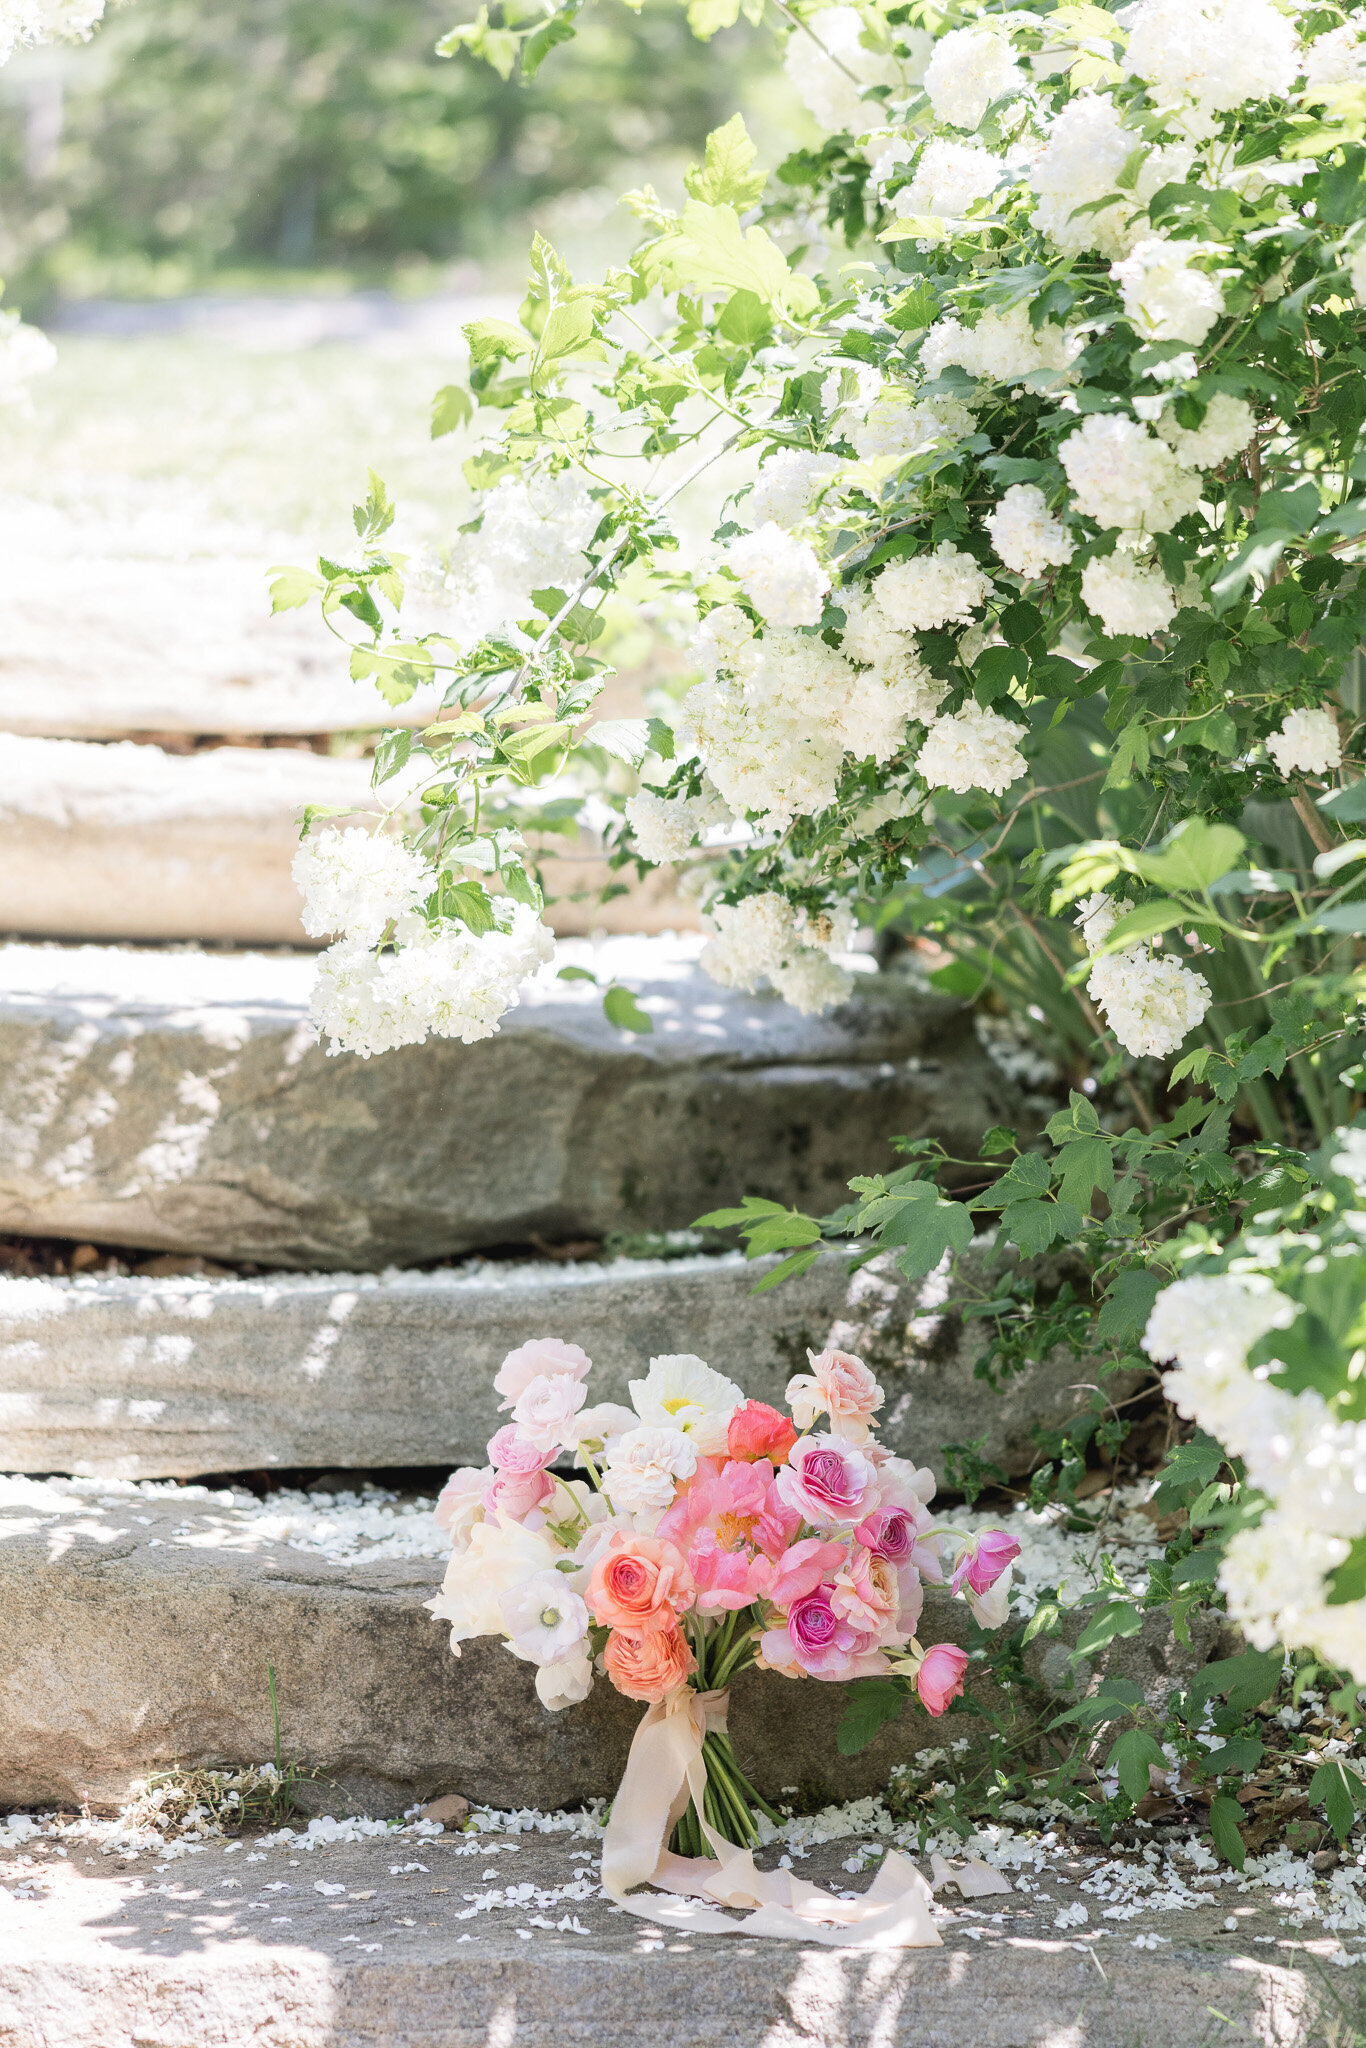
(711, 1533)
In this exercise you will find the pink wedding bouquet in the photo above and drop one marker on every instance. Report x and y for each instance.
(710, 1533)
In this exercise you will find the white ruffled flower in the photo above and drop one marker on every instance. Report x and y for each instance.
(899, 424)
(46, 21)
(970, 68)
(1149, 1000)
(1308, 743)
(1087, 148)
(818, 60)
(533, 533)
(1226, 429)
(949, 178)
(931, 589)
(1097, 915)
(780, 576)
(499, 1555)
(1213, 54)
(1165, 296)
(683, 1392)
(1337, 58)
(1122, 475)
(358, 882)
(664, 826)
(445, 983)
(974, 749)
(642, 1468)
(566, 1683)
(544, 1620)
(1001, 348)
(547, 1411)
(1028, 537)
(787, 486)
(1128, 596)
(762, 938)
(1212, 1320)
(868, 639)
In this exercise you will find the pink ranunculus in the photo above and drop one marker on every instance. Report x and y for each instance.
(889, 1533)
(727, 1578)
(648, 1664)
(757, 1431)
(739, 1502)
(460, 1502)
(825, 1646)
(639, 1582)
(543, 1356)
(518, 1494)
(547, 1411)
(982, 1560)
(866, 1594)
(802, 1568)
(940, 1677)
(906, 1486)
(840, 1386)
(829, 1483)
(512, 1450)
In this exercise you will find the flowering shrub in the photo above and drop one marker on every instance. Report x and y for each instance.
(712, 1533)
(1028, 626)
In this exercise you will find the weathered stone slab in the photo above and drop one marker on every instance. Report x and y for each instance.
(179, 1101)
(131, 842)
(157, 1378)
(137, 1635)
(104, 1957)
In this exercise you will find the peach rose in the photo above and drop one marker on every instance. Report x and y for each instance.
(840, 1386)
(757, 1431)
(639, 1582)
(648, 1664)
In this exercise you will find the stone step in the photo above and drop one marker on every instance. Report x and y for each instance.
(154, 1378)
(178, 1100)
(131, 842)
(361, 1943)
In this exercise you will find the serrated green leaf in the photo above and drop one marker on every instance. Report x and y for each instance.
(1116, 1618)
(625, 739)
(1132, 1756)
(289, 588)
(871, 1703)
(727, 176)
(451, 407)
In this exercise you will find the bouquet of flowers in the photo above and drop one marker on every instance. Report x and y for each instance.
(711, 1533)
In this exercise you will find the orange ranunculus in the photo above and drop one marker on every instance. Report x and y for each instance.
(649, 1663)
(758, 1431)
(639, 1582)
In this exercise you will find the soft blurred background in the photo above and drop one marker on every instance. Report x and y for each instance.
(254, 228)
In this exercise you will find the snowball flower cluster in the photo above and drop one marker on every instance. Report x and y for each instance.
(534, 529)
(664, 827)
(1226, 429)
(1001, 347)
(46, 21)
(1122, 475)
(898, 424)
(763, 938)
(949, 178)
(786, 487)
(1165, 296)
(1308, 743)
(780, 576)
(974, 749)
(970, 68)
(1210, 54)
(830, 66)
(358, 882)
(1128, 596)
(25, 353)
(442, 982)
(1149, 1000)
(1028, 537)
(931, 589)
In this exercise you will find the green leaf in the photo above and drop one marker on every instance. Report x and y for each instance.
(391, 754)
(727, 176)
(915, 309)
(872, 1702)
(621, 1008)
(1339, 1792)
(1033, 1225)
(997, 1140)
(468, 901)
(705, 17)
(1225, 1814)
(1244, 1681)
(1145, 923)
(1257, 556)
(1085, 1164)
(451, 407)
(1347, 805)
(491, 341)
(1042, 1621)
(1117, 1618)
(661, 738)
(1195, 855)
(1127, 1305)
(625, 739)
(290, 588)
(1132, 1756)
(925, 1226)
(1347, 1581)
(745, 320)
(312, 811)
(1240, 1753)
(713, 249)
(1185, 1472)
(796, 1262)
(576, 974)
(1216, 730)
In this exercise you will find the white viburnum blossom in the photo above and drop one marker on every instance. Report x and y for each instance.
(931, 589)
(358, 882)
(819, 59)
(1211, 1320)
(899, 424)
(762, 938)
(1274, 1579)
(1128, 596)
(642, 1468)
(1337, 58)
(25, 353)
(1308, 743)
(1097, 915)
(664, 826)
(1165, 296)
(534, 530)
(970, 68)
(949, 178)
(1225, 431)
(974, 749)
(1149, 1000)
(910, 690)
(543, 1618)
(442, 983)
(1028, 537)
(681, 1391)
(786, 487)
(1001, 347)
(46, 21)
(1122, 475)
(1087, 148)
(780, 576)
(1212, 54)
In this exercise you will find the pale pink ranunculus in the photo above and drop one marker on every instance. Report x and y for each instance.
(982, 1560)
(889, 1533)
(940, 1677)
(543, 1357)
(519, 1494)
(512, 1450)
(910, 1488)
(727, 1578)
(460, 1503)
(830, 1484)
(840, 1386)
(802, 1568)
(639, 1582)
(547, 1411)
(739, 1502)
(865, 1593)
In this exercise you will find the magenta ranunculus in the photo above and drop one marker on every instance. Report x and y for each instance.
(983, 1559)
(828, 1482)
(512, 1451)
(889, 1533)
(813, 1624)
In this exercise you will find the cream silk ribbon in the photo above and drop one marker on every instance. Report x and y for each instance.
(666, 1767)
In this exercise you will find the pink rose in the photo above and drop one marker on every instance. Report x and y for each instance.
(512, 1450)
(982, 1560)
(828, 1482)
(543, 1357)
(840, 1386)
(518, 1494)
(940, 1677)
(547, 1410)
